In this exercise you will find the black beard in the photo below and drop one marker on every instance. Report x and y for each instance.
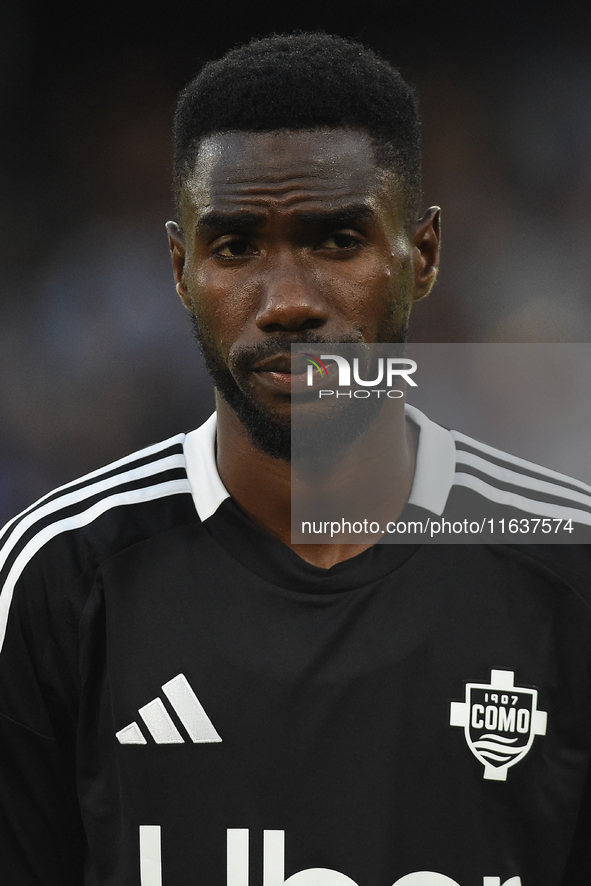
(268, 432)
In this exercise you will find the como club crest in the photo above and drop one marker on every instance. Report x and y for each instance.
(500, 722)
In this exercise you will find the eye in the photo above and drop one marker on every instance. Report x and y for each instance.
(234, 248)
(341, 241)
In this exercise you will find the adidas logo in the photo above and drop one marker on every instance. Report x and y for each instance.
(160, 724)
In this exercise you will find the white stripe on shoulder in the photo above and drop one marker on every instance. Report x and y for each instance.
(505, 475)
(513, 499)
(520, 462)
(78, 495)
(206, 486)
(133, 496)
(112, 466)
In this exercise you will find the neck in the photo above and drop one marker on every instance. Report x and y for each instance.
(381, 459)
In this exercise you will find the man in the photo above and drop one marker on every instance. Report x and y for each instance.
(188, 697)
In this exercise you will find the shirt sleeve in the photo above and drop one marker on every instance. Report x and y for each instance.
(41, 835)
(578, 869)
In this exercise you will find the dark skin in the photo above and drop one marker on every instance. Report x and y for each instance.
(285, 233)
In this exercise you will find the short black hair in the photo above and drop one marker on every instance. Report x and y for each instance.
(303, 80)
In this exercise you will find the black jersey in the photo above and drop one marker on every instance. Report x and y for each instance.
(186, 702)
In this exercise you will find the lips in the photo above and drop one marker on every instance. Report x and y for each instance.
(285, 375)
(281, 374)
(280, 363)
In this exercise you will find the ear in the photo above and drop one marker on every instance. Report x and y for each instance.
(426, 238)
(176, 241)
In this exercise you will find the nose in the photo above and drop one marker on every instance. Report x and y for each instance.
(291, 298)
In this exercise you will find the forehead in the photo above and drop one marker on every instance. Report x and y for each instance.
(285, 170)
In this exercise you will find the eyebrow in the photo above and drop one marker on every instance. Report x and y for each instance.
(216, 220)
(342, 217)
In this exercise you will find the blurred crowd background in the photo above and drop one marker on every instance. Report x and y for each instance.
(97, 357)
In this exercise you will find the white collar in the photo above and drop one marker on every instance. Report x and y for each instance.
(436, 464)
(434, 471)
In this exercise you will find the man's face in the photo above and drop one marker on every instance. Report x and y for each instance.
(290, 237)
